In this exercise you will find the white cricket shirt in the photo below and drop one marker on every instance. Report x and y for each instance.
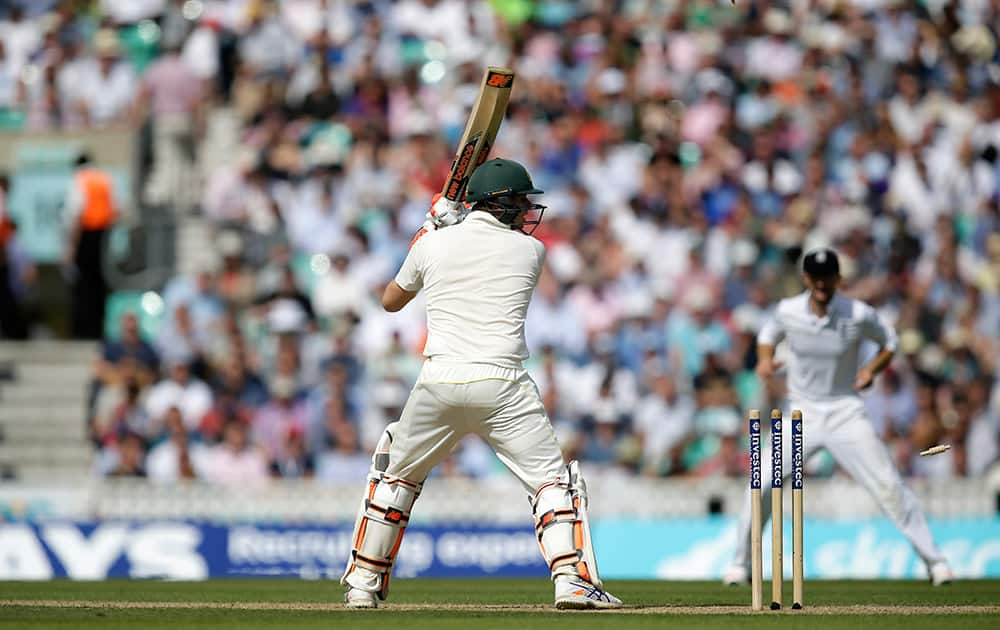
(477, 277)
(824, 351)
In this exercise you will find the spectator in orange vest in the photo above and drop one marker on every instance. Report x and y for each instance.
(90, 213)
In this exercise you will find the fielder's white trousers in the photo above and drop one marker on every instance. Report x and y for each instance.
(842, 427)
(500, 404)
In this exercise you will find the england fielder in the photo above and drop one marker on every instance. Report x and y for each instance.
(478, 276)
(824, 332)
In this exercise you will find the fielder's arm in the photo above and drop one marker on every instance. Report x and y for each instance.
(765, 360)
(881, 361)
(878, 330)
(866, 375)
(767, 340)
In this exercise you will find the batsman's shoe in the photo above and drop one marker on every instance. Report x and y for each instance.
(356, 598)
(941, 574)
(737, 575)
(578, 594)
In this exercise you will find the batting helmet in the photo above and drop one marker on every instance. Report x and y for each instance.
(499, 178)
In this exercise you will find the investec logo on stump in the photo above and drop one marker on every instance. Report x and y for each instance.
(776, 460)
(755, 454)
(797, 474)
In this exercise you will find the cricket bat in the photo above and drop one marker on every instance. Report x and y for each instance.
(481, 130)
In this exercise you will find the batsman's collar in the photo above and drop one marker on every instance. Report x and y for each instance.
(486, 217)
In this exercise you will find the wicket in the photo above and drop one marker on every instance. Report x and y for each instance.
(798, 478)
(777, 517)
(777, 511)
(756, 554)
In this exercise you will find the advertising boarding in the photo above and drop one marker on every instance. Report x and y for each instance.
(689, 549)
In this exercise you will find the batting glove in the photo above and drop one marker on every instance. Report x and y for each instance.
(445, 212)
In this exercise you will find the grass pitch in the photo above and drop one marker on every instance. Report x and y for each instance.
(488, 604)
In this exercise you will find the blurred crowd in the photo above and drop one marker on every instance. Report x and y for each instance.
(690, 152)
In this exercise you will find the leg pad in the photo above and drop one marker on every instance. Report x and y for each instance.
(562, 526)
(380, 525)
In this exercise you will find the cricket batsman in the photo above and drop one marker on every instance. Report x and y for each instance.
(825, 330)
(478, 269)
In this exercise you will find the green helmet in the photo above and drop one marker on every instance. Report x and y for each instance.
(499, 178)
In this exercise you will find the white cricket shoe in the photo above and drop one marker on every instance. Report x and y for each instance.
(578, 594)
(356, 598)
(941, 573)
(736, 575)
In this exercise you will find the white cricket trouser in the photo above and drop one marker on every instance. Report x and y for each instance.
(842, 427)
(500, 404)
(449, 401)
